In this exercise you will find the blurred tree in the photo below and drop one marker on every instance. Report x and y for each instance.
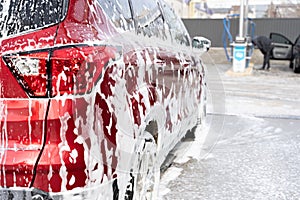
(286, 9)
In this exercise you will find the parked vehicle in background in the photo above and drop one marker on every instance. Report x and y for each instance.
(284, 49)
(93, 96)
(201, 43)
(296, 55)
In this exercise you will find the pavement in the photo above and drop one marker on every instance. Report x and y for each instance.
(249, 146)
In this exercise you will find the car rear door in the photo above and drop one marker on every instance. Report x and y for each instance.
(283, 47)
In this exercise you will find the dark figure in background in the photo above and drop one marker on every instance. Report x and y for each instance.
(264, 44)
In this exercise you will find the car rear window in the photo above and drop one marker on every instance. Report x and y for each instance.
(17, 16)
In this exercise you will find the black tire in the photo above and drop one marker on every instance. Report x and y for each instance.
(296, 66)
(292, 64)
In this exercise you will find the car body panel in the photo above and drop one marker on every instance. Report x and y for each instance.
(282, 47)
(40, 39)
(105, 81)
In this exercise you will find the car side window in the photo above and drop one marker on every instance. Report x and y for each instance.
(277, 38)
(148, 18)
(119, 12)
(178, 31)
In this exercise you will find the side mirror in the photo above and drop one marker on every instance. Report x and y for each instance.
(200, 42)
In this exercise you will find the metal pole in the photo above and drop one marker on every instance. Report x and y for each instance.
(246, 19)
(241, 30)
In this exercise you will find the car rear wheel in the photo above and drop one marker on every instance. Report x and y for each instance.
(296, 66)
(146, 170)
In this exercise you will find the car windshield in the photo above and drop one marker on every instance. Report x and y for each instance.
(17, 16)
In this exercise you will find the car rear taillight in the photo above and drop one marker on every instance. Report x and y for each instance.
(30, 71)
(62, 70)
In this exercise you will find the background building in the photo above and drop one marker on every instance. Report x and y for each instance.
(214, 9)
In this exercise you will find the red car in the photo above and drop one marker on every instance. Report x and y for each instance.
(93, 96)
